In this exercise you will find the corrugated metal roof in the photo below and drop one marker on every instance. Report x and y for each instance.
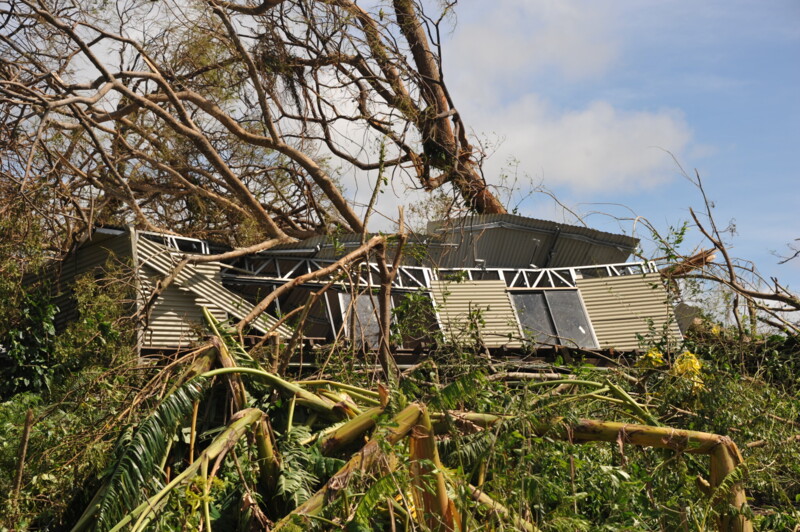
(621, 308)
(457, 303)
(203, 281)
(492, 241)
(507, 240)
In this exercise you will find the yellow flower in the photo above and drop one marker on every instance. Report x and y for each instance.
(687, 365)
(651, 359)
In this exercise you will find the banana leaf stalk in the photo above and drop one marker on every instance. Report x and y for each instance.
(304, 397)
(203, 362)
(366, 399)
(640, 410)
(443, 421)
(401, 425)
(221, 444)
(495, 507)
(343, 401)
(350, 431)
(340, 386)
(268, 464)
(435, 510)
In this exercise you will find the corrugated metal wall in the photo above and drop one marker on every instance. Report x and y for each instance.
(622, 307)
(454, 301)
(176, 316)
(93, 256)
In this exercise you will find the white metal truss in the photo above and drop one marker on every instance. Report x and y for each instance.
(276, 269)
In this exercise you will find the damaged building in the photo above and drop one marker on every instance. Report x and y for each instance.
(505, 282)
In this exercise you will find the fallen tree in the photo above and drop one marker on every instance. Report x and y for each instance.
(378, 473)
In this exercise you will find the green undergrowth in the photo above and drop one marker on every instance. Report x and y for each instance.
(109, 416)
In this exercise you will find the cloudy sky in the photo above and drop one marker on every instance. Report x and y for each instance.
(590, 99)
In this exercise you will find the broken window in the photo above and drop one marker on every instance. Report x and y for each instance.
(534, 317)
(554, 317)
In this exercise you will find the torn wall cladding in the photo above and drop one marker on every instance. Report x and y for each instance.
(477, 280)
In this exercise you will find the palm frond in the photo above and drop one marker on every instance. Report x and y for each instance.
(302, 467)
(467, 451)
(377, 494)
(137, 458)
(460, 391)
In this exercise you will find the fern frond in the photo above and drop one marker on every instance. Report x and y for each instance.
(385, 486)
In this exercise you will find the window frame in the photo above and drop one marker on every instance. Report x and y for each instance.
(550, 315)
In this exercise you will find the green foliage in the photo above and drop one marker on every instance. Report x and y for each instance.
(539, 477)
(28, 359)
(302, 468)
(412, 319)
(668, 245)
(101, 335)
(138, 454)
(463, 390)
(34, 355)
(377, 494)
(75, 378)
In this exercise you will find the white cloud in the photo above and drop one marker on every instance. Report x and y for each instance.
(512, 39)
(594, 148)
(506, 55)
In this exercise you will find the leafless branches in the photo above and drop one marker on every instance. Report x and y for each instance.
(213, 118)
(764, 301)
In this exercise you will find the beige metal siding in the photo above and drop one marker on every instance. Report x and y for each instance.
(456, 302)
(622, 307)
(177, 315)
(203, 281)
(174, 321)
(91, 256)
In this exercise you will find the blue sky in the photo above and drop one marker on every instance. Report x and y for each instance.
(586, 99)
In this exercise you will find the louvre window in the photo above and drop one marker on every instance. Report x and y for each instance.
(551, 317)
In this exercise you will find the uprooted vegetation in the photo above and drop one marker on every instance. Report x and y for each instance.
(216, 439)
(699, 436)
(224, 121)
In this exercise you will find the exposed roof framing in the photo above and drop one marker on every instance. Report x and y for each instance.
(284, 268)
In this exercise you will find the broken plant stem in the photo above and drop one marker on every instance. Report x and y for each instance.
(350, 431)
(631, 402)
(725, 457)
(221, 444)
(494, 506)
(401, 425)
(305, 397)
